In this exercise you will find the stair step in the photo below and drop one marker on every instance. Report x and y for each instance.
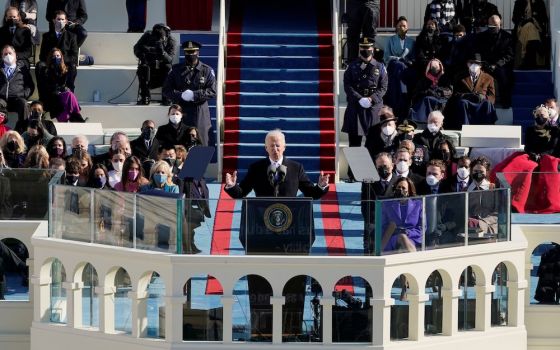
(281, 50)
(527, 101)
(257, 149)
(284, 74)
(523, 89)
(252, 123)
(286, 62)
(521, 114)
(533, 76)
(292, 136)
(285, 86)
(284, 99)
(280, 111)
(279, 38)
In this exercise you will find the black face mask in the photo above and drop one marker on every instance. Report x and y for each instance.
(398, 193)
(77, 152)
(11, 146)
(405, 137)
(159, 33)
(35, 115)
(11, 22)
(366, 53)
(71, 179)
(478, 176)
(540, 120)
(172, 162)
(148, 134)
(445, 156)
(191, 60)
(431, 30)
(383, 172)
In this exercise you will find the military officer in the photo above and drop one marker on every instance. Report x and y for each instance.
(191, 85)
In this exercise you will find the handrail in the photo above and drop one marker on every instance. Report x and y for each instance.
(336, 87)
(220, 87)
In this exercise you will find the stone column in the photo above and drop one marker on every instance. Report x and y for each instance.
(41, 305)
(106, 308)
(174, 318)
(381, 321)
(227, 323)
(73, 303)
(483, 307)
(450, 317)
(139, 313)
(416, 313)
(516, 303)
(327, 319)
(277, 303)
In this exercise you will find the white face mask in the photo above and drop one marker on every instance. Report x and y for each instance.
(388, 130)
(433, 128)
(432, 180)
(117, 166)
(175, 118)
(552, 113)
(402, 166)
(474, 68)
(59, 25)
(9, 59)
(463, 172)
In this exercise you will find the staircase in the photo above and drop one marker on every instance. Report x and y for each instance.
(531, 89)
(280, 75)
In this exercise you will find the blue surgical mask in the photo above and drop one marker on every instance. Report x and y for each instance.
(160, 179)
(57, 60)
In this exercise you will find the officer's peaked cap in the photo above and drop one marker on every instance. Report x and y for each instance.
(366, 42)
(191, 46)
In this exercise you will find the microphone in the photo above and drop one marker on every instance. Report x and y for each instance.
(281, 170)
(271, 172)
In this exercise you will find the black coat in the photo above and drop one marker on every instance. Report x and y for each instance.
(139, 149)
(476, 15)
(257, 180)
(495, 48)
(372, 192)
(201, 80)
(75, 10)
(196, 195)
(541, 141)
(426, 48)
(67, 43)
(424, 189)
(151, 47)
(19, 85)
(5, 198)
(426, 138)
(21, 40)
(169, 135)
(375, 143)
(452, 181)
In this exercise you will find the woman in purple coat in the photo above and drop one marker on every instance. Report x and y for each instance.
(402, 219)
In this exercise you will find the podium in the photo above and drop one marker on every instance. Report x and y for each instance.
(274, 225)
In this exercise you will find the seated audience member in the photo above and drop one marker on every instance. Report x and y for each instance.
(56, 147)
(403, 163)
(372, 191)
(3, 164)
(181, 153)
(476, 13)
(37, 113)
(461, 179)
(98, 178)
(57, 164)
(431, 93)
(433, 182)
(161, 178)
(37, 157)
(36, 134)
(155, 50)
(133, 177)
(382, 137)
(446, 152)
(174, 132)
(16, 85)
(496, 50)
(432, 134)
(167, 154)
(443, 12)
(56, 89)
(399, 56)
(16, 34)
(60, 38)
(531, 32)
(194, 138)
(86, 164)
(402, 219)
(73, 168)
(13, 148)
(4, 128)
(419, 153)
(483, 211)
(540, 138)
(118, 140)
(474, 96)
(428, 45)
(457, 51)
(146, 146)
(80, 143)
(76, 13)
(117, 162)
(28, 14)
(550, 103)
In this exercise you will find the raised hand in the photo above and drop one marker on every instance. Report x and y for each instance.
(323, 180)
(231, 180)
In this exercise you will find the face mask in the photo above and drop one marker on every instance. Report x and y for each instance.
(458, 38)
(35, 115)
(160, 33)
(405, 137)
(540, 120)
(463, 172)
(148, 134)
(402, 166)
(57, 60)
(99, 182)
(71, 179)
(474, 68)
(58, 151)
(170, 161)
(117, 166)
(160, 179)
(553, 113)
(366, 53)
(434, 71)
(431, 30)
(432, 180)
(478, 176)
(433, 128)
(402, 32)
(9, 59)
(11, 22)
(493, 29)
(77, 152)
(388, 130)
(133, 174)
(383, 172)
(175, 118)
(190, 60)
(59, 25)
(399, 193)
(445, 156)
(12, 146)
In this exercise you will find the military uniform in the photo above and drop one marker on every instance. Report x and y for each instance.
(200, 80)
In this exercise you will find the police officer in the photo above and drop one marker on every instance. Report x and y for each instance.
(363, 18)
(155, 50)
(365, 83)
(191, 85)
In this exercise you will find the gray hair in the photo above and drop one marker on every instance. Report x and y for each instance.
(80, 137)
(436, 114)
(275, 133)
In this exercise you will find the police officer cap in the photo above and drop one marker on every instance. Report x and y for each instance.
(366, 42)
(191, 46)
(407, 126)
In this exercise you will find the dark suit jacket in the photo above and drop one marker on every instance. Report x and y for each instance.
(495, 48)
(429, 140)
(67, 43)
(451, 183)
(415, 178)
(21, 40)
(374, 191)
(168, 135)
(197, 190)
(375, 143)
(5, 198)
(139, 149)
(257, 180)
(75, 10)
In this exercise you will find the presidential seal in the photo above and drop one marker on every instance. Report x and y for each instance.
(278, 218)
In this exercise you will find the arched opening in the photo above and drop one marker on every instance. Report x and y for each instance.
(400, 308)
(433, 307)
(252, 310)
(14, 274)
(302, 311)
(545, 274)
(90, 298)
(352, 311)
(499, 309)
(203, 309)
(155, 307)
(467, 299)
(123, 304)
(58, 309)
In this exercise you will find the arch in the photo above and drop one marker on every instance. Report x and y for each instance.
(433, 307)
(203, 309)
(352, 311)
(14, 273)
(90, 297)
(252, 295)
(544, 259)
(298, 322)
(123, 304)
(58, 308)
(500, 295)
(412, 283)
